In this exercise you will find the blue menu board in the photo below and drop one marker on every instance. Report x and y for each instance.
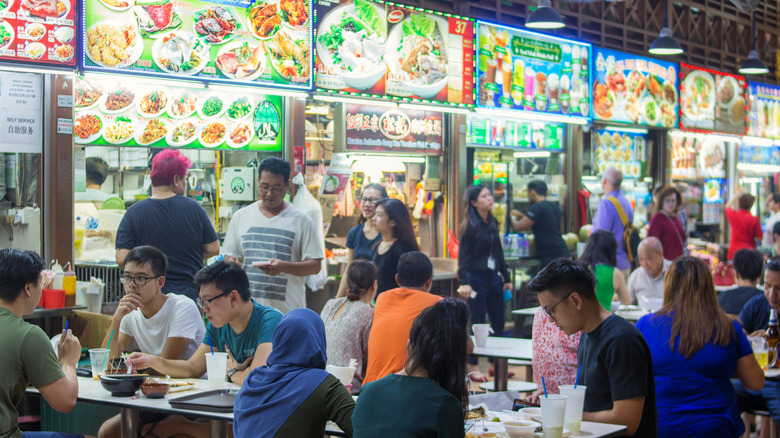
(625, 151)
(764, 110)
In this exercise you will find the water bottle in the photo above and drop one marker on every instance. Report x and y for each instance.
(526, 246)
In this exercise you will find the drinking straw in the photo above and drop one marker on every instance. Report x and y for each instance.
(109, 350)
(544, 387)
(67, 324)
(211, 346)
(577, 379)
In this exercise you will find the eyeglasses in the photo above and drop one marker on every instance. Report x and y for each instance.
(773, 264)
(140, 280)
(206, 302)
(369, 200)
(278, 190)
(550, 311)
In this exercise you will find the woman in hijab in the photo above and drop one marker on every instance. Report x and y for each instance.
(293, 396)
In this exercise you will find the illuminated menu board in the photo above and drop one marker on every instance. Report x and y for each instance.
(712, 101)
(388, 50)
(263, 43)
(376, 128)
(38, 31)
(623, 150)
(523, 70)
(764, 112)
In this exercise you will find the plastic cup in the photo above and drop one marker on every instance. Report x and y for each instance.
(53, 298)
(97, 358)
(553, 414)
(481, 332)
(576, 397)
(344, 374)
(216, 367)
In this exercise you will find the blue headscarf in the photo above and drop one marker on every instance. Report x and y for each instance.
(296, 367)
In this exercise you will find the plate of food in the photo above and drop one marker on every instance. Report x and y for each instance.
(213, 134)
(698, 95)
(120, 132)
(5, 4)
(294, 13)
(152, 132)
(215, 24)
(181, 385)
(289, 55)
(264, 20)
(728, 90)
(116, 5)
(616, 82)
(183, 104)
(240, 135)
(240, 109)
(118, 100)
(63, 53)
(417, 55)
(87, 128)
(156, 17)
(6, 34)
(35, 50)
(651, 110)
(212, 108)
(635, 84)
(241, 60)
(35, 31)
(182, 134)
(670, 93)
(351, 44)
(114, 44)
(603, 101)
(87, 94)
(668, 115)
(64, 34)
(44, 8)
(181, 53)
(153, 103)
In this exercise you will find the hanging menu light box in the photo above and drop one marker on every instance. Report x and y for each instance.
(128, 112)
(623, 150)
(263, 44)
(633, 89)
(522, 70)
(712, 101)
(38, 31)
(387, 50)
(764, 110)
(376, 128)
(510, 133)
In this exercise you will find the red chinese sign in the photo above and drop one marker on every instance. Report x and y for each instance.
(38, 31)
(371, 128)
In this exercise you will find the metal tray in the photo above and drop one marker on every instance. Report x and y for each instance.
(218, 400)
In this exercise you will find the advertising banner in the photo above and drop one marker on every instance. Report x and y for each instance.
(499, 132)
(697, 156)
(264, 44)
(373, 128)
(129, 113)
(633, 89)
(388, 50)
(764, 110)
(765, 155)
(712, 101)
(523, 70)
(38, 31)
(625, 151)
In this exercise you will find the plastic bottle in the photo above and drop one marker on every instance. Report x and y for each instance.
(69, 285)
(59, 274)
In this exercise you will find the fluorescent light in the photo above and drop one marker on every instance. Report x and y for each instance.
(358, 101)
(267, 91)
(403, 158)
(532, 116)
(113, 78)
(718, 137)
(750, 180)
(769, 168)
(443, 109)
(622, 129)
(36, 70)
(532, 154)
(757, 141)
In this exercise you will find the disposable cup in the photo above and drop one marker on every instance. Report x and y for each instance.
(553, 414)
(97, 358)
(216, 367)
(344, 374)
(573, 417)
(481, 332)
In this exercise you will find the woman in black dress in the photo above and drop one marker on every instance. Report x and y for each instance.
(393, 222)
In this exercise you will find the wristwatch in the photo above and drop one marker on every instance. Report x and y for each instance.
(230, 373)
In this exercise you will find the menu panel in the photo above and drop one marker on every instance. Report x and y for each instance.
(109, 112)
(764, 155)
(625, 151)
(697, 156)
(389, 50)
(764, 112)
(523, 70)
(633, 89)
(38, 31)
(712, 101)
(267, 43)
(372, 128)
(515, 133)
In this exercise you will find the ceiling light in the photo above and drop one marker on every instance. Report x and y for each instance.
(665, 44)
(544, 17)
(753, 65)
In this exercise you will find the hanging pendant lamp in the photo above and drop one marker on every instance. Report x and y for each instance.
(753, 65)
(665, 44)
(544, 17)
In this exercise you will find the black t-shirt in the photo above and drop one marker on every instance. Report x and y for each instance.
(547, 229)
(387, 265)
(732, 301)
(616, 365)
(179, 227)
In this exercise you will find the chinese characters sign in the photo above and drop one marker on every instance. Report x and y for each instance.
(21, 123)
(372, 128)
(38, 31)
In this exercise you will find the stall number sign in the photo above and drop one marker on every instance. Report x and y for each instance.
(20, 113)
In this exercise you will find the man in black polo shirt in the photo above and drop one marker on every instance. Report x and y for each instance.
(544, 220)
(616, 365)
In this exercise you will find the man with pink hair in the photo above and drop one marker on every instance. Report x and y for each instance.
(172, 222)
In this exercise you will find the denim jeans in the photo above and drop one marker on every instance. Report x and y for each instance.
(490, 299)
(767, 399)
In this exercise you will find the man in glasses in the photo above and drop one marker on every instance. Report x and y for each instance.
(274, 241)
(615, 361)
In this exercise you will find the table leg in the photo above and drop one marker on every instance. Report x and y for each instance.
(218, 429)
(501, 373)
(129, 421)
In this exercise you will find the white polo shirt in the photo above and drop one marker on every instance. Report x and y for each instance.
(640, 283)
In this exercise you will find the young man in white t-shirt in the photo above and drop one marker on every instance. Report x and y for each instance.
(147, 320)
(274, 241)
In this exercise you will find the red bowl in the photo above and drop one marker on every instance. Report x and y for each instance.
(155, 390)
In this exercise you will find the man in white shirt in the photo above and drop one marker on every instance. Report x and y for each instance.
(773, 206)
(274, 241)
(648, 280)
(97, 170)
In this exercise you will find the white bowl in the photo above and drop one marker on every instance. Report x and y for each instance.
(520, 428)
(650, 304)
(533, 414)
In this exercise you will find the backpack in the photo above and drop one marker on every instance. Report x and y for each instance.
(630, 233)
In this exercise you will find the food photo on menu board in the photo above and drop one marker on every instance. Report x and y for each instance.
(527, 71)
(712, 101)
(698, 156)
(625, 151)
(384, 49)
(264, 43)
(129, 113)
(764, 111)
(39, 31)
(636, 90)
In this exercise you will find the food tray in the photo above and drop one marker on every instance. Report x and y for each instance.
(218, 400)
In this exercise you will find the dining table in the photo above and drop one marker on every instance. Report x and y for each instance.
(501, 350)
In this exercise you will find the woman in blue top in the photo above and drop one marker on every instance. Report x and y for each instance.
(362, 238)
(696, 349)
